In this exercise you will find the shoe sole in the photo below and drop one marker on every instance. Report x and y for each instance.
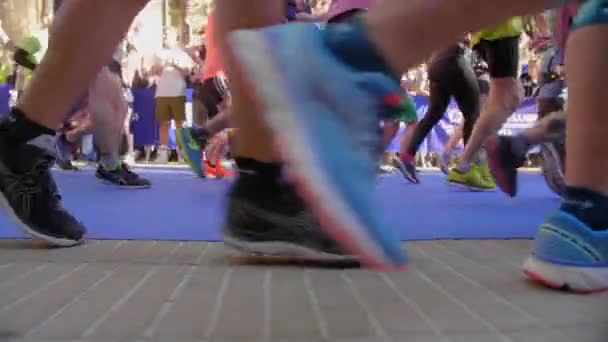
(552, 169)
(335, 217)
(67, 169)
(55, 241)
(282, 249)
(582, 280)
(465, 187)
(406, 174)
(181, 146)
(124, 187)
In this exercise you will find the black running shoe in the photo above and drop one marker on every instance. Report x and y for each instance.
(64, 153)
(407, 169)
(275, 224)
(122, 177)
(504, 162)
(29, 195)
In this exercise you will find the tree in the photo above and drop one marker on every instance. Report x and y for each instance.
(177, 19)
(197, 12)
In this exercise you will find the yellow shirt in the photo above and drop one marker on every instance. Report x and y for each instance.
(510, 28)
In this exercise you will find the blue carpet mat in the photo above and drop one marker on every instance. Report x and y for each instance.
(182, 207)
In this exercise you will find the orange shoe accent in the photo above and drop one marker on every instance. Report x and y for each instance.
(218, 171)
(222, 172)
(210, 170)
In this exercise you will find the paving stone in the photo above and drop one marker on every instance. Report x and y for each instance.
(187, 291)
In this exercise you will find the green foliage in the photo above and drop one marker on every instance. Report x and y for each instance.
(177, 12)
(4, 73)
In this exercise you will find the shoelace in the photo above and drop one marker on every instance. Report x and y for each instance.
(26, 187)
(127, 173)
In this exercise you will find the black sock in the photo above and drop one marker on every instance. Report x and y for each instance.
(267, 172)
(18, 129)
(258, 181)
(264, 185)
(350, 44)
(588, 206)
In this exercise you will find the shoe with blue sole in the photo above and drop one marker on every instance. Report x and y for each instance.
(322, 113)
(568, 255)
(190, 150)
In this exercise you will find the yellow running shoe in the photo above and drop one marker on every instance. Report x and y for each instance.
(486, 174)
(471, 180)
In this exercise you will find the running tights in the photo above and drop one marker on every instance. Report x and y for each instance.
(449, 77)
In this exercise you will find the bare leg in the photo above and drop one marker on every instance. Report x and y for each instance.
(388, 134)
(82, 126)
(108, 110)
(130, 139)
(261, 197)
(587, 67)
(399, 21)
(254, 139)
(82, 40)
(583, 216)
(164, 133)
(220, 121)
(505, 96)
(454, 140)
(407, 137)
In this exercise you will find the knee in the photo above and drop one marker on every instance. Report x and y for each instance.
(508, 96)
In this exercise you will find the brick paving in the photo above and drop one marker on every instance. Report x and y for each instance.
(458, 291)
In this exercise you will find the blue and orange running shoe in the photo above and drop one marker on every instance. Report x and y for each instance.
(190, 149)
(323, 114)
(569, 255)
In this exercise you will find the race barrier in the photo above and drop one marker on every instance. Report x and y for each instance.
(523, 118)
(5, 98)
(143, 123)
(145, 127)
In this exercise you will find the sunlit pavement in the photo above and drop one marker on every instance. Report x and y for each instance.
(166, 291)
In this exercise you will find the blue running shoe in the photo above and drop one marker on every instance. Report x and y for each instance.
(190, 150)
(322, 113)
(569, 255)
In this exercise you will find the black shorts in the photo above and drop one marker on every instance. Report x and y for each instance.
(502, 56)
(212, 92)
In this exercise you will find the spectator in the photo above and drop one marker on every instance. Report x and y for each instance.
(418, 81)
(170, 101)
(527, 82)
